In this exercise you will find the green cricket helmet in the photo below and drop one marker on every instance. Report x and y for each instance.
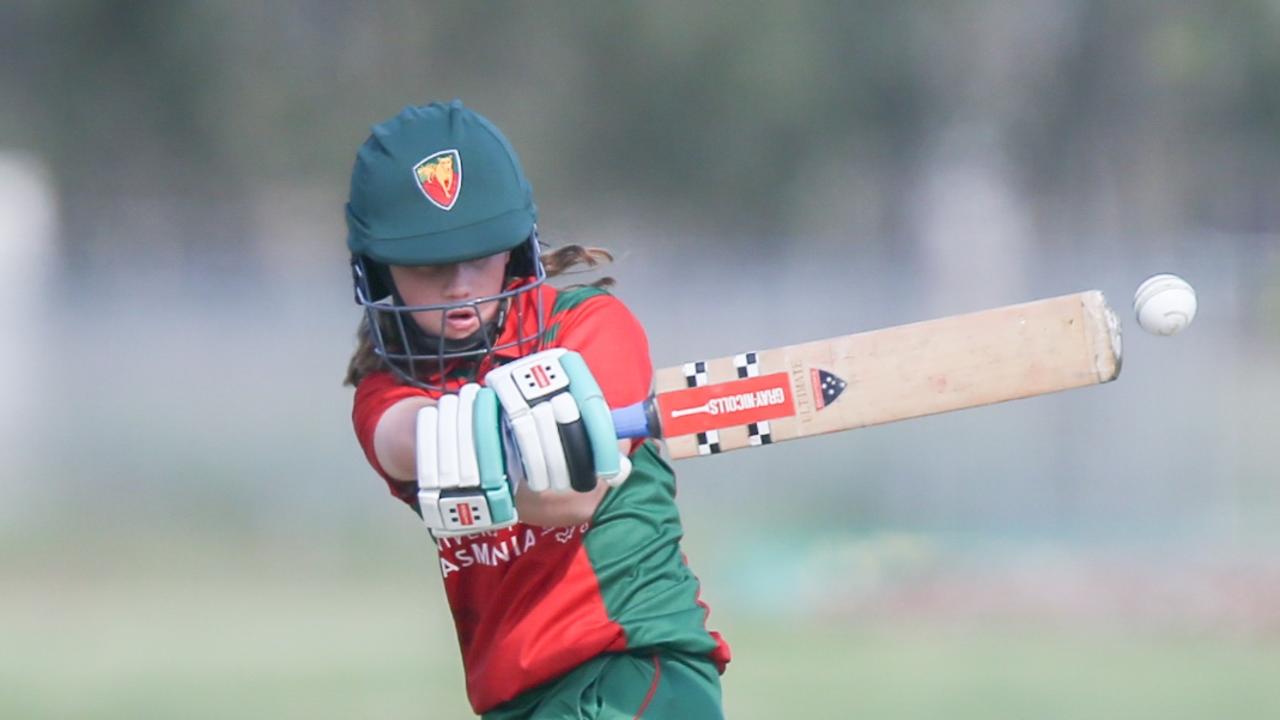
(435, 185)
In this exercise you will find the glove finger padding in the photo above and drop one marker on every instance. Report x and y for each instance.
(468, 468)
(521, 387)
(446, 455)
(560, 422)
(576, 443)
(610, 464)
(557, 466)
(462, 486)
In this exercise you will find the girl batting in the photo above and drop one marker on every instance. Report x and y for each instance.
(482, 398)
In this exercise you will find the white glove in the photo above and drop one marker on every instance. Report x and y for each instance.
(462, 486)
(561, 427)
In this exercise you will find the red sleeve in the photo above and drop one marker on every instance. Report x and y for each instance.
(375, 393)
(614, 345)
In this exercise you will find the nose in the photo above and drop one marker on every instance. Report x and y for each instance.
(458, 285)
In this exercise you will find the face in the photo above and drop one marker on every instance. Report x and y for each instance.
(451, 284)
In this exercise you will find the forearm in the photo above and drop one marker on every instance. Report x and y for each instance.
(395, 439)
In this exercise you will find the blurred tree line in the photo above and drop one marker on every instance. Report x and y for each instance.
(160, 117)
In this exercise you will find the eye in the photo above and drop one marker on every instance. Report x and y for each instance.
(494, 261)
(431, 271)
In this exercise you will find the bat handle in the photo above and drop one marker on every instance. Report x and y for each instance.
(638, 420)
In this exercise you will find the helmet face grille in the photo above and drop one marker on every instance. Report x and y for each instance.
(428, 361)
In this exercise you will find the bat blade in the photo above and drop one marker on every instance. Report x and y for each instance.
(881, 376)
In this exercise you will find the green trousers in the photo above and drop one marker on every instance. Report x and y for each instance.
(623, 686)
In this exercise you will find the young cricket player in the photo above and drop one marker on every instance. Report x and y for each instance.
(481, 397)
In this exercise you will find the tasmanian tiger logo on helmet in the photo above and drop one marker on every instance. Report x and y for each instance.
(440, 177)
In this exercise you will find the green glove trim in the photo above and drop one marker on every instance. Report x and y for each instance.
(501, 508)
(486, 434)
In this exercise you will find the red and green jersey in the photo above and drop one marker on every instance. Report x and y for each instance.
(531, 603)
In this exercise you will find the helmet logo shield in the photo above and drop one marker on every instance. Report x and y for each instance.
(439, 176)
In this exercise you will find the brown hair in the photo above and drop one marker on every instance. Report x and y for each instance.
(567, 260)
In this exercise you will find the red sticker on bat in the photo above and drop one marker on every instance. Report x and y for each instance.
(738, 402)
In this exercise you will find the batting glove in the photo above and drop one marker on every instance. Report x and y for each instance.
(559, 422)
(462, 485)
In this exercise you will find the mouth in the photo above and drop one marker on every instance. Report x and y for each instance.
(462, 320)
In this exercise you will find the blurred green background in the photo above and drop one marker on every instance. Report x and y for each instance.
(188, 529)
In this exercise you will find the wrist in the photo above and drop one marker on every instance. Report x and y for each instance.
(559, 509)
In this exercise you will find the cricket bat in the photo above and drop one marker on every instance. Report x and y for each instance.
(762, 397)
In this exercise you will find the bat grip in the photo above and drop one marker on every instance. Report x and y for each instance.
(638, 420)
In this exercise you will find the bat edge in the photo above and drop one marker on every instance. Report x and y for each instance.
(1103, 334)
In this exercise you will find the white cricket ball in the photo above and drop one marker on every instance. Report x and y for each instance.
(1165, 304)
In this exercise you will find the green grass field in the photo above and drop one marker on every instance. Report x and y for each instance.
(277, 640)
